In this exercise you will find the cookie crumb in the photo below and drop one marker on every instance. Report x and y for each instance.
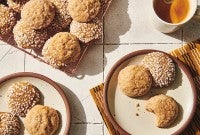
(137, 114)
(138, 105)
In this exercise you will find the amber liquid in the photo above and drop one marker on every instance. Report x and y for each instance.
(174, 12)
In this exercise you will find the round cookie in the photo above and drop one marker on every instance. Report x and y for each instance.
(87, 32)
(134, 80)
(41, 120)
(165, 108)
(83, 11)
(7, 20)
(9, 124)
(21, 97)
(16, 5)
(162, 68)
(38, 13)
(28, 38)
(61, 10)
(63, 48)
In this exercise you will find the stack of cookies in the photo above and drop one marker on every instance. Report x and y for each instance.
(23, 99)
(156, 70)
(57, 28)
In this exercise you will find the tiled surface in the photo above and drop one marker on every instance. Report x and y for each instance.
(127, 28)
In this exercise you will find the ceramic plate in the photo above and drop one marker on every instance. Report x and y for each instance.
(52, 94)
(129, 116)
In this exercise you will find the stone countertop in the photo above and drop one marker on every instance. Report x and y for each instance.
(127, 28)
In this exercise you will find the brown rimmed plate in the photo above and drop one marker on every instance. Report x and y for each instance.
(128, 115)
(53, 96)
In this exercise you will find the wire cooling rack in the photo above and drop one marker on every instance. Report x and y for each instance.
(71, 68)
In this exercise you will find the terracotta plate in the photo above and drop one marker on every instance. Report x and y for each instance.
(129, 116)
(52, 94)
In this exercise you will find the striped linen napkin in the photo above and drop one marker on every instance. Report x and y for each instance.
(190, 55)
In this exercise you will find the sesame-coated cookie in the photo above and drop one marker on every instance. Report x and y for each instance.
(16, 5)
(61, 10)
(161, 67)
(21, 97)
(28, 38)
(87, 32)
(42, 120)
(7, 20)
(83, 10)
(165, 108)
(9, 124)
(61, 49)
(134, 80)
(38, 13)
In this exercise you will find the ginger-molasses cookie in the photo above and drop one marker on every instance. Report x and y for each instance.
(42, 120)
(38, 13)
(7, 20)
(61, 10)
(9, 124)
(28, 38)
(21, 97)
(87, 32)
(16, 5)
(61, 49)
(161, 67)
(165, 108)
(83, 10)
(134, 80)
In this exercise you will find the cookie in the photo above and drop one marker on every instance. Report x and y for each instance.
(161, 67)
(27, 38)
(54, 27)
(38, 14)
(134, 80)
(21, 97)
(62, 49)
(9, 124)
(87, 32)
(42, 120)
(165, 108)
(16, 5)
(7, 20)
(61, 10)
(83, 10)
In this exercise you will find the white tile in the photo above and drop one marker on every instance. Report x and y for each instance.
(105, 130)
(83, 129)
(129, 21)
(90, 72)
(11, 60)
(113, 52)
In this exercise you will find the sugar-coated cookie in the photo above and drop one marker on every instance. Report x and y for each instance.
(9, 124)
(87, 32)
(161, 67)
(21, 97)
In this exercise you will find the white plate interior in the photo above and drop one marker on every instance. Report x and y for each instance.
(124, 109)
(50, 97)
